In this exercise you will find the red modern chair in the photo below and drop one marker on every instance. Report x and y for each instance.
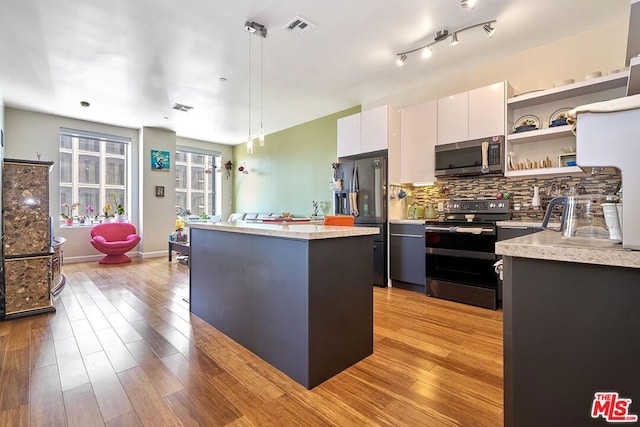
(114, 239)
(344, 220)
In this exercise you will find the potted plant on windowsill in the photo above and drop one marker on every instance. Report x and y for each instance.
(67, 213)
(120, 216)
(107, 212)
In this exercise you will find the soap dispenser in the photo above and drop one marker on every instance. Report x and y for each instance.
(535, 201)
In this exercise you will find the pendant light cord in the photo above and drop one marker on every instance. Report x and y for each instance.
(249, 139)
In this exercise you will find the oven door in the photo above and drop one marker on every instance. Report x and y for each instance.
(459, 263)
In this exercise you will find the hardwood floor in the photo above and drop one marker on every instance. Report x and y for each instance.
(124, 350)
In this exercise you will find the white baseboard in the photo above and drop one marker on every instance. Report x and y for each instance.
(156, 254)
(98, 257)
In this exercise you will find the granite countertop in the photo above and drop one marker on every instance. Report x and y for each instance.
(301, 231)
(548, 245)
(407, 221)
(531, 224)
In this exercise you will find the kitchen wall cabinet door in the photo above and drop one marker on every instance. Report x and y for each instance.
(453, 118)
(487, 107)
(349, 135)
(418, 137)
(374, 129)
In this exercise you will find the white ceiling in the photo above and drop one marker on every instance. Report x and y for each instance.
(132, 59)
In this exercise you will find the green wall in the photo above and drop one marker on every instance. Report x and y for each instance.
(290, 171)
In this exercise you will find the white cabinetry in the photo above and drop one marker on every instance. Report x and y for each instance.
(418, 137)
(349, 135)
(366, 132)
(476, 114)
(487, 110)
(526, 148)
(453, 118)
(374, 129)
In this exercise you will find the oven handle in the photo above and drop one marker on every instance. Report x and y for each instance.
(467, 230)
(460, 253)
(434, 228)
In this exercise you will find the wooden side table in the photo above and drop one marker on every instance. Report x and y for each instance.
(180, 247)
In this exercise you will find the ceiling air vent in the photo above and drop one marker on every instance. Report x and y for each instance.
(300, 26)
(181, 107)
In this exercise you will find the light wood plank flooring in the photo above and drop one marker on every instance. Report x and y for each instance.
(124, 350)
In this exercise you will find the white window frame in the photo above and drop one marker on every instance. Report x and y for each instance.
(102, 186)
(208, 177)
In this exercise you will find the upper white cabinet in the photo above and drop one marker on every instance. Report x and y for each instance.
(349, 135)
(418, 137)
(557, 144)
(371, 130)
(487, 111)
(374, 130)
(453, 118)
(475, 114)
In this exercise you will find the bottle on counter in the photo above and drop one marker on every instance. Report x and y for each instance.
(535, 200)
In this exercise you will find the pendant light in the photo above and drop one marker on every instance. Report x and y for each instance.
(252, 27)
(261, 138)
(249, 138)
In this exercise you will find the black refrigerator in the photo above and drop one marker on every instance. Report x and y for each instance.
(367, 178)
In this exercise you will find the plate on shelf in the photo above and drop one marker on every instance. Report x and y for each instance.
(559, 117)
(527, 123)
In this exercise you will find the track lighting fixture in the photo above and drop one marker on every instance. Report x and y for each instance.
(468, 4)
(443, 35)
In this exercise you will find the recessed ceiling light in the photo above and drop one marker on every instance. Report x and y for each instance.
(223, 79)
(85, 103)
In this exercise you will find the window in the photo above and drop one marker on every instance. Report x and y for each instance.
(93, 168)
(196, 184)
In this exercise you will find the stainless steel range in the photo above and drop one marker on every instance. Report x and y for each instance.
(460, 252)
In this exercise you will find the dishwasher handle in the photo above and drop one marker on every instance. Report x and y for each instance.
(418, 236)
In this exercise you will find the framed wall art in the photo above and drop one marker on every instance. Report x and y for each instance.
(160, 160)
(159, 191)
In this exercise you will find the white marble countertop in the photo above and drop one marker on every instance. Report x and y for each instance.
(300, 231)
(549, 245)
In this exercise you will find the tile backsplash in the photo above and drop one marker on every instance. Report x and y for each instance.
(520, 189)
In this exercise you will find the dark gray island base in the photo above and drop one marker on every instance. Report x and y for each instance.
(303, 305)
(571, 330)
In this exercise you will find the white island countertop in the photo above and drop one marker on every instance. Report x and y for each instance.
(290, 230)
(548, 245)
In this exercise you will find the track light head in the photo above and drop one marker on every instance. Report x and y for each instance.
(401, 59)
(441, 35)
(489, 29)
(426, 52)
(454, 39)
(468, 4)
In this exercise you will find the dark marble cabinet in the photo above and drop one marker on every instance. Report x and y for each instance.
(28, 255)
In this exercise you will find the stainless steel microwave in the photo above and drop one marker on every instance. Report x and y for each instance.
(465, 158)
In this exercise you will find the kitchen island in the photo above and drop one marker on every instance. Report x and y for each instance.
(571, 329)
(299, 296)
